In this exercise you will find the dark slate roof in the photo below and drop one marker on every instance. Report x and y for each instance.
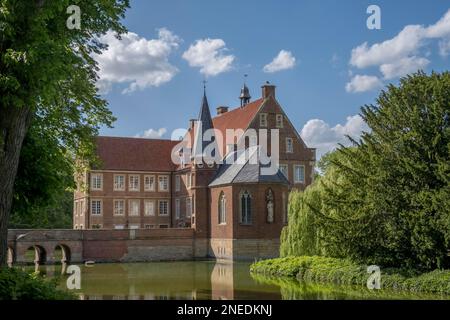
(205, 115)
(247, 172)
(204, 123)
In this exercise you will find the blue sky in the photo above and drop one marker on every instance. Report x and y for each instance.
(153, 78)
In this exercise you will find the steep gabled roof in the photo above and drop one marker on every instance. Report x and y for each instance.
(238, 118)
(135, 154)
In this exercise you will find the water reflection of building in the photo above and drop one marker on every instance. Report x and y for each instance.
(188, 280)
(222, 281)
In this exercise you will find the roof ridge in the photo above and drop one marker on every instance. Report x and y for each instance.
(136, 138)
(237, 109)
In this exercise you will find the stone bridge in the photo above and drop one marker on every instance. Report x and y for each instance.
(77, 246)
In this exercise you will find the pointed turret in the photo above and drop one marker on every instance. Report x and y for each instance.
(203, 123)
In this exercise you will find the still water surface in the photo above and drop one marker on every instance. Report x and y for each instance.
(204, 280)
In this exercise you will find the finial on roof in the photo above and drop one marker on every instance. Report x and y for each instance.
(204, 86)
(245, 93)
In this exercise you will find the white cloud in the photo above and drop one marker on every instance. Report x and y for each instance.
(400, 55)
(406, 42)
(152, 133)
(136, 61)
(444, 47)
(283, 61)
(318, 134)
(362, 83)
(403, 66)
(209, 55)
(440, 29)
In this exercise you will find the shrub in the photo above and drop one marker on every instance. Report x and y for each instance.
(16, 284)
(315, 269)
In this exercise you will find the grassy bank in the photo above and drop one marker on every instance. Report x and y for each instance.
(16, 284)
(343, 272)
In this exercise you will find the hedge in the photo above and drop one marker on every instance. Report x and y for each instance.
(344, 272)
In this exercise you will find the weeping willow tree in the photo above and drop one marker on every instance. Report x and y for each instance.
(301, 236)
(306, 233)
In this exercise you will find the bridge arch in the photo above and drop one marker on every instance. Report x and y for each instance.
(39, 254)
(62, 251)
(10, 257)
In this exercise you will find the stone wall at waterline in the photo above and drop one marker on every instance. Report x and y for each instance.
(131, 245)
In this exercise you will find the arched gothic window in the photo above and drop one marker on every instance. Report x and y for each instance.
(246, 208)
(222, 208)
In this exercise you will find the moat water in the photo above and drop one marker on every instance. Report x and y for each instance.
(204, 280)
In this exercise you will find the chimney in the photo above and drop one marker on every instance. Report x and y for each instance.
(192, 123)
(268, 90)
(221, 110)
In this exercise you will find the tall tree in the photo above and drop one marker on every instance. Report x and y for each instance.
(47, 73)
(391, 206)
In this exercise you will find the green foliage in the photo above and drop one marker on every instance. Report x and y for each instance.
(315, 269)
(19, 285)
(393, 208)
(386, 199)
(48, 69)
(301, 235)
(43, 196)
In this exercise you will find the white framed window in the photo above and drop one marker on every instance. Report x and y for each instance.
(75, 209)
(177, 209)
(188, 180)
(149, 183)
(96, 181)
(149, 226)
(119, 226)
(299, 173)
(177, 183)
(133, 182)
(163, 183)
(163, 207)
(188, 207)
(279, 121)
(284, 170)
(81, 227)
(149, 208)
(133, 209)
(82, 208)
(96, 207)
(134, 226)
(263, 119)
(222, 208)
(119, 182)
(76, 226)
(289, 145)
(119, 207)
(163, 226)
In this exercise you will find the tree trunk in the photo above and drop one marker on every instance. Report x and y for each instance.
(14, 123)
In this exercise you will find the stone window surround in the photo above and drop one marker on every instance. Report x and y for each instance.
(295, 178)
(98, 176)
(114, 182)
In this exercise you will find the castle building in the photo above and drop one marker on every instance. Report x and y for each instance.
(236, 210)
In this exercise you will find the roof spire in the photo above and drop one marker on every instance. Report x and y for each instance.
(203, 123)
(245, 93)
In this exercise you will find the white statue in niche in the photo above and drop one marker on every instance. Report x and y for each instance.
(270, 214)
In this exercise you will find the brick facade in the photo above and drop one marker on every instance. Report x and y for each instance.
(191, 201)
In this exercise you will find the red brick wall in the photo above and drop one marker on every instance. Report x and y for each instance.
(222, 231)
